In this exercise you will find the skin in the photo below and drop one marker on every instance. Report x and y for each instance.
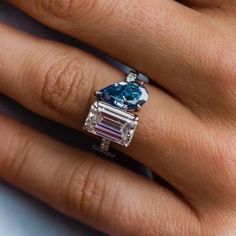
(187, 130)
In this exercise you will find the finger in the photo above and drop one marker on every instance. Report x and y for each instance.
(161, 39)
(80, 185)
(54, 81)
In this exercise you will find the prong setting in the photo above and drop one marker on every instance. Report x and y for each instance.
(97, 93)
(113, 116)
(138, 108)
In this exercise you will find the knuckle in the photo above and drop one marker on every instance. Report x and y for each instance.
(88, 10)
(66, 9)
(64, 86)
(85, 192)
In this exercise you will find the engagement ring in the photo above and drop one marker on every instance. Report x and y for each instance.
(114, 114)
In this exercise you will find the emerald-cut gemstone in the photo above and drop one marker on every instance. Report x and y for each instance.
(124, 95)
(111, 123)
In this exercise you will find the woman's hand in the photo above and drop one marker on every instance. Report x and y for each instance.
(187, 130)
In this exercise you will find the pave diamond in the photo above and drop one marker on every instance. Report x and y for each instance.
(111, 123)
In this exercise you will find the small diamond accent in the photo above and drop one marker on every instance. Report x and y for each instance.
(111, 123)
(132, 77)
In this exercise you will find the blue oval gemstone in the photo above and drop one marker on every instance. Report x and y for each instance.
(124, 95)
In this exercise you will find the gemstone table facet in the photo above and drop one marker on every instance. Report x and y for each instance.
(111, 123)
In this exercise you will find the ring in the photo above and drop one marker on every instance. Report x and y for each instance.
(113, 116)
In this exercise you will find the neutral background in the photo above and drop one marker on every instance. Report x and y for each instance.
(20, 214)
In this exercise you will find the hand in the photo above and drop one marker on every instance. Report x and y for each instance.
(187, 130)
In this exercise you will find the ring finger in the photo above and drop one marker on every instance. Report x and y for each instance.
(58, 81)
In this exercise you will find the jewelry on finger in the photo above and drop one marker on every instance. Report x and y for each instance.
(113, 115)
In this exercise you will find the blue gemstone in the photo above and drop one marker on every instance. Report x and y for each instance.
(125, 95)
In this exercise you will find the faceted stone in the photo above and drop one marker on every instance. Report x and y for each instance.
(111, 123)
(124, 95)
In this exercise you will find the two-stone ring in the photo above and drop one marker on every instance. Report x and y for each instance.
(113, 116)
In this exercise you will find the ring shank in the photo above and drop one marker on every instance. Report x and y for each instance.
(105, 144)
